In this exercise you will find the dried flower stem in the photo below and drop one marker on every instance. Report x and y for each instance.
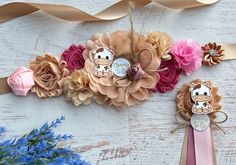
(131, 19)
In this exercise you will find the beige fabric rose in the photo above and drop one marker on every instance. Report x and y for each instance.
(76, 88)
(162, 43)
(47, 72)
(124, 92)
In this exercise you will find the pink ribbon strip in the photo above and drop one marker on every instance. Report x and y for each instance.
(203, 147)
(191, 148)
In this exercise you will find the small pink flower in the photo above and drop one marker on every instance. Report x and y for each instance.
(21, 81)
(169, 77)
(188, 55)
(74, 57)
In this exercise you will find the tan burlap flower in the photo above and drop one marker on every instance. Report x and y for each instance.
(123, 92)
(76, 88)
(47, 72)
(162, 43)
(213, 54)
(185, 102)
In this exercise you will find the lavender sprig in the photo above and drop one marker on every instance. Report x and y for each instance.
(2, 130)
(39, 146)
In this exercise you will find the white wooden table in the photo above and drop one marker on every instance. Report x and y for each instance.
(138, 135)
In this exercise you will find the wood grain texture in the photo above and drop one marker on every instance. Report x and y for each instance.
(141, 134)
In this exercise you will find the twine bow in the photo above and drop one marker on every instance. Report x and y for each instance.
(135, 72)
(186, 121)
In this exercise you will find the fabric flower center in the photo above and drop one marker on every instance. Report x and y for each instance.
(212, 52)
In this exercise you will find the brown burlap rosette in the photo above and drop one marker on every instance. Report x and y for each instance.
(184, 101)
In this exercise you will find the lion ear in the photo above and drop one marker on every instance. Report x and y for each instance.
(192, 85)
(93, 52)
(110, 50)
(207, 83)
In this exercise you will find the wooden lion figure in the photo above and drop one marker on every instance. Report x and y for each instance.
(201, 95)
(103, 58)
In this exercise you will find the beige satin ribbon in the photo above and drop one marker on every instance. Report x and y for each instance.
(183, 157)
(213, 150)
(118, 10)
(4, 88)
(229, 51)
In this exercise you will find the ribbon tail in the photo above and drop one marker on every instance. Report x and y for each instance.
(203, 147)
(183, 158)
(191, 148)
(213, 150)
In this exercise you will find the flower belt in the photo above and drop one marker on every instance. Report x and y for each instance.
(119, 69)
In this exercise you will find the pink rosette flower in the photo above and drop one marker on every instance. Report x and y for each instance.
(188, 55)
(21, 81)
(74, 57)
(169, 77)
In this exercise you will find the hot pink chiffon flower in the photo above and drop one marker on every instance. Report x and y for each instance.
(188, 55)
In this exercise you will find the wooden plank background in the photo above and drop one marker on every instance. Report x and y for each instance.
(140, 134)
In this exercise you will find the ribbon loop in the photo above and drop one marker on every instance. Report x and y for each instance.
(118, 10)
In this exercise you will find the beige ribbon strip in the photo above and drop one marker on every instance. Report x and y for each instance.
(118, 10)
(229, 51)
(213, 150)
(183, 157)
(4, 88)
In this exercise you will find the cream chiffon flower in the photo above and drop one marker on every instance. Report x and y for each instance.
(76, 88)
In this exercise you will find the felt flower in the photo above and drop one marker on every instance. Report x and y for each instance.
(47, 72)
(185, 102)
(21, 81)
(169, 77)
(162, 43)
(122, 92)
(74, 57)
(188, 55)
(76, 88)
(212, 54)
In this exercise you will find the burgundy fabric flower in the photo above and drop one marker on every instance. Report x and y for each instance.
(169, 77)
(74, 57)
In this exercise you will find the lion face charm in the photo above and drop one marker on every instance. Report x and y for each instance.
(103, 58)
(201, 95)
